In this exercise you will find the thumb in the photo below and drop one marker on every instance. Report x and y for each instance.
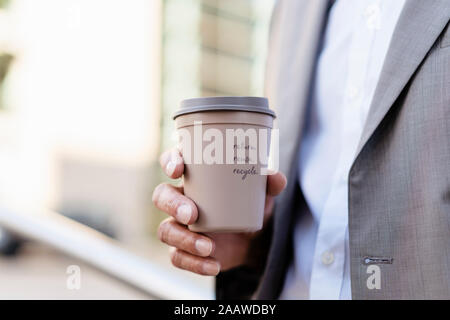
(276, 183)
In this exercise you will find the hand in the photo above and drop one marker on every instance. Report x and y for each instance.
(205, 254)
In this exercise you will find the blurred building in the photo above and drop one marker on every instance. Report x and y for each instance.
(212, 48)
(87, 90)
(87, 98)
(79, 124)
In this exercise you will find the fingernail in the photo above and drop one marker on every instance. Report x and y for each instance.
(203, 247)
(211, 268)
(170, 167)
(184, 213)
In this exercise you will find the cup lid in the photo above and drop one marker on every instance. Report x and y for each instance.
(249, 104)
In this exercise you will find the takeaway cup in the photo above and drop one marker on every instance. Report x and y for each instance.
(225, 143)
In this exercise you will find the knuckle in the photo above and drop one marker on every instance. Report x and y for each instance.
(198, 267)
(172, 203)
(193, 265)
(163, 230)
(181, 261)
(157, 194)
(189, 242)
(165, 199)
(175, 258)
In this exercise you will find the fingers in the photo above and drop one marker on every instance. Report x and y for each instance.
(169, 199)
(176, 235)
(186, 261)
(172, 163)
(269, 204)
(232, 249)
(276, 183)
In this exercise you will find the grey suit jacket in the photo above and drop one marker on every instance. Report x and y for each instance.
(399, 184)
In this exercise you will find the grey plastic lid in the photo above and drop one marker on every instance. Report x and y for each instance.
(249, 104)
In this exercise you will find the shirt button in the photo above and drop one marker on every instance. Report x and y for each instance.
(327, 258)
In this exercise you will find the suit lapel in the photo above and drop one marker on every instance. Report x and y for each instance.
(419, 26)
(295, 35)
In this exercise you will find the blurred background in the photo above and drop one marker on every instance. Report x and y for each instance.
(87, 90)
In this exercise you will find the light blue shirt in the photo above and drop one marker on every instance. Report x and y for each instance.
(357, 39)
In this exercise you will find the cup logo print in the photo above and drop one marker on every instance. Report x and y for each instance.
(242, 147)
(374, 280)
(74, 279)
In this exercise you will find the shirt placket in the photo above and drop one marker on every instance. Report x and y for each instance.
(329, 256)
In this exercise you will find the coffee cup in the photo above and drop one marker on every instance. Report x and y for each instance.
(225, 144)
